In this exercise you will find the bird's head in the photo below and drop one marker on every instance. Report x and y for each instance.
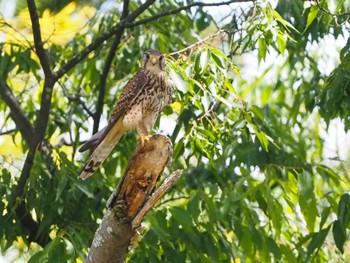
(153, 60)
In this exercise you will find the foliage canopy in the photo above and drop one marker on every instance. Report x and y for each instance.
(259, 84)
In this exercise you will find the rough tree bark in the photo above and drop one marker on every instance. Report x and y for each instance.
(132, 199)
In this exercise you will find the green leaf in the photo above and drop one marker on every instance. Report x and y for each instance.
(179, 149)
(239, 124)
(264, 141)
(38, 257)
(309, 211)
(317, 240)
(210, 246)
(204, 60)
(256, 237)
(273, 248)
(262, 48)
(339, 235)
(159, 226)
(306, 185)
(84, 188)
(193, 206)
(62, 183)
(285, 23)
(56, 253)
(179, 82)
(324, 216)
(312, 15)
(281, 42)
(344, 210)
(339, 5)
(183, 218)
(258, 112)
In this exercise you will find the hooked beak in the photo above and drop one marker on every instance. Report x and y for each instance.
(154, 60)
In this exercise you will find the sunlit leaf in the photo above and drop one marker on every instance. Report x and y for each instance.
(179, 82)
(281, 42)
(312, 15)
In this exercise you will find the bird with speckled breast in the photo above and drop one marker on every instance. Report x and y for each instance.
(141, 101)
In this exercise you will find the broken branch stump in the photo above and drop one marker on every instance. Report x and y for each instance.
(132, 199)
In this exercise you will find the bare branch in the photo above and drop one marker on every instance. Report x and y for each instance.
(8, 132)
(155, 197)
(19, 117)
(220, 34)
(39, 131)
(99, 40)
(38, 43)
(318, 4)
(181, 8)
(127, 23)
(106, 68)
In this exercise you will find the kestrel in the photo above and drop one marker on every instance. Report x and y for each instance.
(140, 103)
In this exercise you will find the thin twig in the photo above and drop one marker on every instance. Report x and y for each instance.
(100, 40)
(155, 197)
(178, 10)
(198, 43)
(17, 114)
(329, 12)
(126, 23)
(75, 97)
(173, 199)
(8, 132)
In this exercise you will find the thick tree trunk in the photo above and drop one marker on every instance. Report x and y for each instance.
(132, 199)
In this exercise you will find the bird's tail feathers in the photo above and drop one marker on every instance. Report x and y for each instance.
(94, 140)
(102, 149)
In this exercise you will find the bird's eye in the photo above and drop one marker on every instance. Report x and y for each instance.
(161, 57)
(147, 55)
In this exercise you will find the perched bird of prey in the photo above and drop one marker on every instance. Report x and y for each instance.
(140, 103)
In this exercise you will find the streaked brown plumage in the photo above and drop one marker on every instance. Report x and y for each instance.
(140, 103)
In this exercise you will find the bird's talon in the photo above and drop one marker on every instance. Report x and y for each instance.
(143, 138)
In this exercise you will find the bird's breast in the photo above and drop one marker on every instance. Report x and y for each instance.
(155, 93)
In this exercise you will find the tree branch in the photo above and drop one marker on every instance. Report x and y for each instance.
(318, 4)
(155, 198)
(127, 23)
(99, 40)
(19, 117)
(38, 43)
(114, 234)
(24, 216)
(181, 8)
(106, 68)
(220, 34)
(39, 133)
(8, 132)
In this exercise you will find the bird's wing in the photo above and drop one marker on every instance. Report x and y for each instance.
(103, 149)
(105, 140)
(130, 92)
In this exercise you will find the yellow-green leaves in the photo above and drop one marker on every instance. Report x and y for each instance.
(307, 199)
(312, 15)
